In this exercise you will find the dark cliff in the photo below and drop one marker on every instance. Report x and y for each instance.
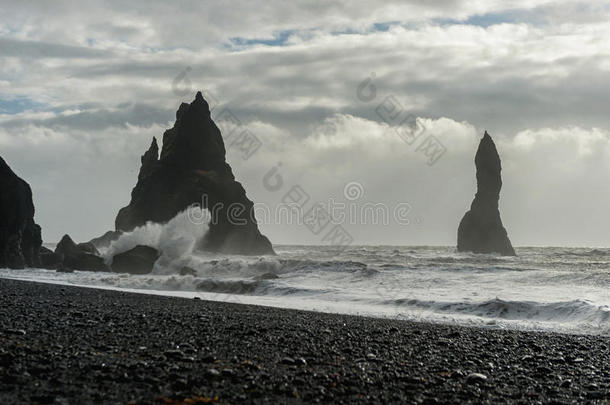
(20, 236)
(192, 169)
(481, 229)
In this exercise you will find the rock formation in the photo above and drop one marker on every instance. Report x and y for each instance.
(105, 240)
(88, 247)
(139, 260)
(20, 236)
(78, 257)
(481, 229)
(49, 259)
(192, 170)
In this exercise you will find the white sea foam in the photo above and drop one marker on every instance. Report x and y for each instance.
(566, 290)
(176, 241)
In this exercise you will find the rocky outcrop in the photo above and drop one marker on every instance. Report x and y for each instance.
(49, 259)
(188, 271)
(20, 236)
(481, 229)
(192, 169)
(88, 247)
(78, 257)
(105, 240)
(139, 260)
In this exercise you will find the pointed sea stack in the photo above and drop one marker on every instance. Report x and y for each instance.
(481, 229)
(192, 169)
(20, 238)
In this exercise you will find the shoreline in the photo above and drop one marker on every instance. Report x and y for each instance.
(244, 300)
(66, 344)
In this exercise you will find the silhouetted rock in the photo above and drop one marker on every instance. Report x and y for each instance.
(139, 260)
(74, 257)
(188, 271)
(63, 269)
(106, 239)
(192, 170)
(48, 258)
(481, 229)
(20, 236)
(149, 159)
(88, 247)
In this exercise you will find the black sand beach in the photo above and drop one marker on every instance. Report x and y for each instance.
(75, 345)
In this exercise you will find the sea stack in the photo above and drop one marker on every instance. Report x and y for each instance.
(192, 169)
(20, 236)
(481, 229)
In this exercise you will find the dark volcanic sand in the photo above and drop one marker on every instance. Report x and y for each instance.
(76, 345)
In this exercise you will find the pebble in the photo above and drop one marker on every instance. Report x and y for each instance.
(288, 361)
(185, 353)
(17, 332)
(212, 372)
(476, 378)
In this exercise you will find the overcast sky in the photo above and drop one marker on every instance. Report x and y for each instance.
(84, 88)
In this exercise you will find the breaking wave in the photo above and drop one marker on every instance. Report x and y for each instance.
(176, 240)
(566, 311)
(557, 289)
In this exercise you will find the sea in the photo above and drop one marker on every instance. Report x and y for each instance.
(556, 289)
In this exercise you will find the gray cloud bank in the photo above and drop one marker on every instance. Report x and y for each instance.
(96, 82)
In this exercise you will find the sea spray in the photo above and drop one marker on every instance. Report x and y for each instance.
(175, 240)
(553, 289)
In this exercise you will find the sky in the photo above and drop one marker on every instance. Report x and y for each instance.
(360, 103)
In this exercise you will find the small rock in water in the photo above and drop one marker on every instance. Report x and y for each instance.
(188, 271)
(64, 269)
(139, 260)
(267, 276)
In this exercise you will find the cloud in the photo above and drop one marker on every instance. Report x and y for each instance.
(551, 180)
(78, 106)
(92, 119)
(37, 49)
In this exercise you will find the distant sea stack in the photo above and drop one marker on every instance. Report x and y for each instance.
(20, 236)
(191, 169)
(481, 229)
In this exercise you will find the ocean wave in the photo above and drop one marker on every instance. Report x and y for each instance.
(177, 243)
(587, 253)
(176, 240)
(251, 287)
(261, 286)
(273, 267)
(470, 258)
(228, 286)
(563, 311)
(558, 289)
